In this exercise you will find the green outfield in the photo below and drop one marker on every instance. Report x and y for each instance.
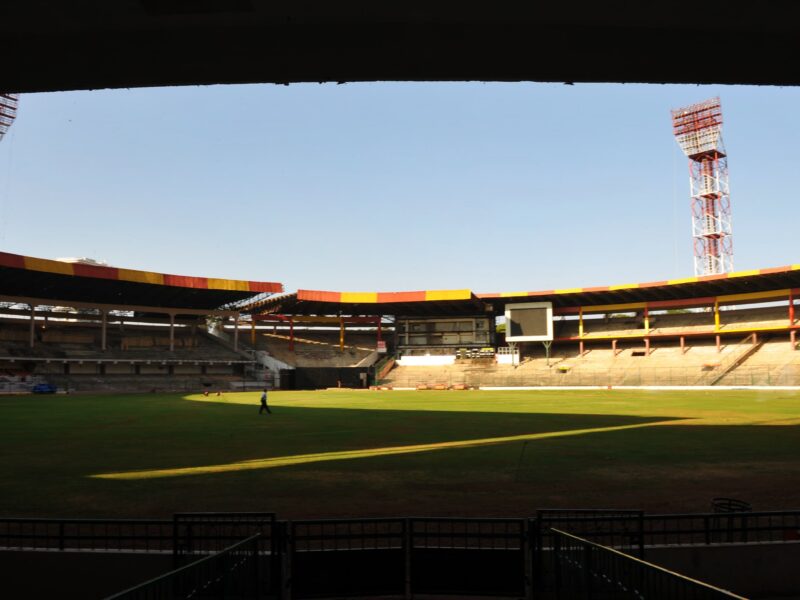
(338, 453)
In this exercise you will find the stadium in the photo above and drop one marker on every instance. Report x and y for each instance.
(630, 440)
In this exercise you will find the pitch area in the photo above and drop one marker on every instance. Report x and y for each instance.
(341, 453)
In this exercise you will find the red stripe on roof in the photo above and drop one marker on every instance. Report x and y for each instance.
(95, 271)
(774, 270)
(319, 296)
(185, 281)
(650, 284)
(401, 296)
(263, 286)
(15, 261)
(595, 289)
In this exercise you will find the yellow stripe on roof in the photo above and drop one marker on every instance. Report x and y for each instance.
(569, 291)
(624, 286)
(228, 284)
(512, 294)
(360, 297)
(754, 296)
(141, 276)
(48, 266)
(744, 273)
(448, 294)
(684, 280)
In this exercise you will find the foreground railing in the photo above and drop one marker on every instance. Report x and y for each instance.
(399, 556)
(584, 569)
(91, 535)
(194, 533)
(721, 528)
(231, 573)
(632, 531)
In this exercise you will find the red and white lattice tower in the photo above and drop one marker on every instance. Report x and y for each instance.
(698, 129)
(8, 111)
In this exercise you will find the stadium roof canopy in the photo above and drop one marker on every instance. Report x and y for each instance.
(704, 290)
(421, 303)
(52, 280)
(54, 45)
(701, 287)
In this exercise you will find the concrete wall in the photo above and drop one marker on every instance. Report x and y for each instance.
(86, 575)
(119, 369)
(153, 370)
(84, 369)
(751, 570)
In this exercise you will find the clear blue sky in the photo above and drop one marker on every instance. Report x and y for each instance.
(363, 187)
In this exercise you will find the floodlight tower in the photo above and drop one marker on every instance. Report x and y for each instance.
(698, 129)
(8, 111)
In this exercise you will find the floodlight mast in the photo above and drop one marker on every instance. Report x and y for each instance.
(8, 111)
(698, 130)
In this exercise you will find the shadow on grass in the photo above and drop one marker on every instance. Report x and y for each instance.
(340, 461)
(297, 436)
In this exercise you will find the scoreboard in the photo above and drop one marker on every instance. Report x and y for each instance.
(529, 322)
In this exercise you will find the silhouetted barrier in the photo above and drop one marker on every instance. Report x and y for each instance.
(347, 557)
(370, 557)
(106, 535)
(584, 569)
(198, 534)
(401, 556)
(232, 573)
(621, 529)
(458, 557)
(209, 532)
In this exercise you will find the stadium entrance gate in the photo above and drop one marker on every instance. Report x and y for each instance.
(318, 378)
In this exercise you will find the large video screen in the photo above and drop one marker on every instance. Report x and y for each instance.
(529, 322)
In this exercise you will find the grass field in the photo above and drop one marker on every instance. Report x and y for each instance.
(339, 453)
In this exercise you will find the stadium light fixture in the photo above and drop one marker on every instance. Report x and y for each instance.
(698, 131)
(8, 111)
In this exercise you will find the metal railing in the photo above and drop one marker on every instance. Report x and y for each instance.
(467, 557)
(446, 556)
(633, 531)
(621, 529)
(584, 569)
(230, 573)
(208, 532)
(449, 556)
(203, 533)
(459, 533)
(722, 528)
(347, 534)
(98, 535)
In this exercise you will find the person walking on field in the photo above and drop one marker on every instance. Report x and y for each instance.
(264, 406)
